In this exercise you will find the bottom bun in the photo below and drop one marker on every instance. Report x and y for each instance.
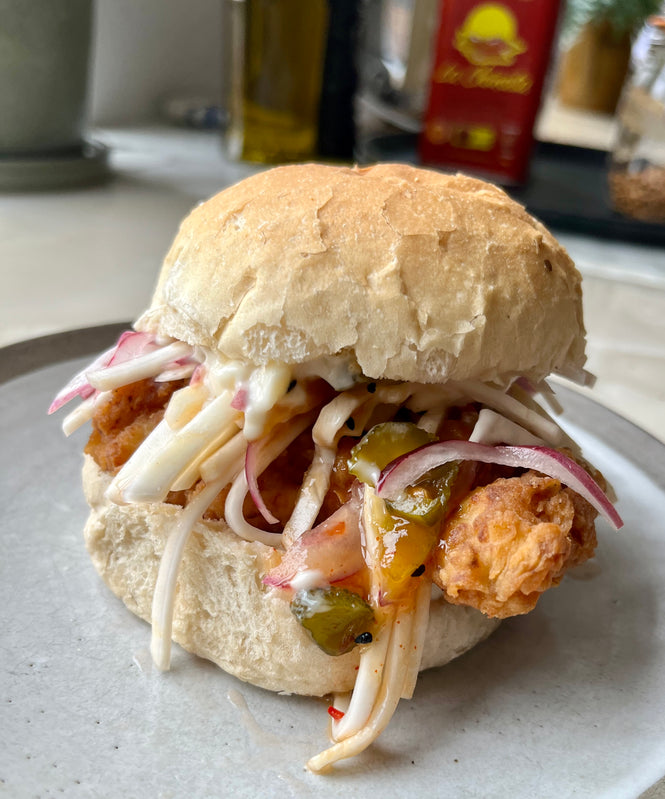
(223, 612)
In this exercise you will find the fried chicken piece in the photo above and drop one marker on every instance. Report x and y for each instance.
(126, 419)
(511, 540)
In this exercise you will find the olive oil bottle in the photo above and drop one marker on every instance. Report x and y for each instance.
(276, 51)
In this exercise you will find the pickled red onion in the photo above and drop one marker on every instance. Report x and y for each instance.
(333, 548)
(411, 467)
(252, 476)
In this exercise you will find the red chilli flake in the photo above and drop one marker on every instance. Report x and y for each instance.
(336, 714)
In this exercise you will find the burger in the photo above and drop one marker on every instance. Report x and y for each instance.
(320, 459)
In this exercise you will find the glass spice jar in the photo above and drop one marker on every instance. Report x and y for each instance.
(637, 165)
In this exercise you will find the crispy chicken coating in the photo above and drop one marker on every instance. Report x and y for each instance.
(511, 540)
(126, 419)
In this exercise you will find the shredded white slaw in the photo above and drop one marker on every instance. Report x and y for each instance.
(540, 425)
(164, 597)
(148, 365)
(83, 412)
(149, 479)
(311, 495)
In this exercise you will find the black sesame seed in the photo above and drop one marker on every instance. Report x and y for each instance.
(364, 638)
(371, 387)
(292, 385)
(350, 423)
(418, 571)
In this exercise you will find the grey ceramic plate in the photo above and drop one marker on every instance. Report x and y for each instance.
(566, 701)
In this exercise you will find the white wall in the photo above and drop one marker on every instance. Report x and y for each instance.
(146, 50)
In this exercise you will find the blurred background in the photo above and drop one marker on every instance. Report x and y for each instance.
(116, 118)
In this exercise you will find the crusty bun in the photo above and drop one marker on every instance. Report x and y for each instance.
(222, 608)
(416, 275)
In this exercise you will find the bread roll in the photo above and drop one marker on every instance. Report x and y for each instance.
(223, 612)
(412, 274)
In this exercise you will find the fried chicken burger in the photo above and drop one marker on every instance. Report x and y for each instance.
(318, 460)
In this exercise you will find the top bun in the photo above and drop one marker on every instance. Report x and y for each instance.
(416, 275)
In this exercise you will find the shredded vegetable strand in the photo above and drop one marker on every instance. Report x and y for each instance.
(373, 658)
(160, 468)
(310, 497)
(368, 680)
(164, 597)
(234, 516)
(260, 454)
(83, 412)
(78, 386)
(156, 440)
(524, 387)
(148, 365)
(493, 428)
(227, 460)
(281, 437)
(179, 372)
(252, 478)
(540, 425)
(187, 478)
(386, 701)
(184, 404)
(394, 394)
(528, 401)
(431, 420)
(419, 634)
(335, 414)
(550, 397)
(329, 427)
(580, 376)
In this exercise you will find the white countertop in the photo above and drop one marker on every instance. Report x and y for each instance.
(85, 257)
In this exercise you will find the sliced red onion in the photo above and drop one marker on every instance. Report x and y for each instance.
(252, 475)
(410, 468)
(123, 371)
(129, 345)
(79, 386)
(269, 448)
(333, 548)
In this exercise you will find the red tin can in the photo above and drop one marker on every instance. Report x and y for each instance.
(487, 78)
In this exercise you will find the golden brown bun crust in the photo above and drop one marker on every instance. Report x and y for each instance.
(222, 612)
(420, 276)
